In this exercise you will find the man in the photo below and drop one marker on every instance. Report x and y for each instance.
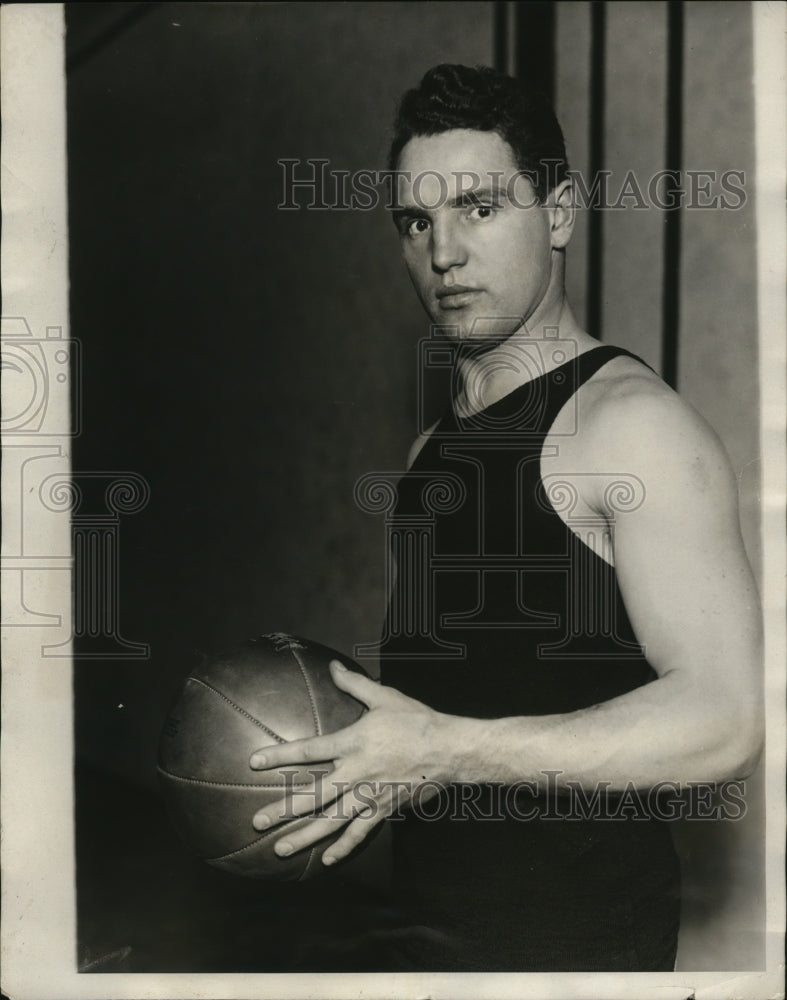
(594, 621)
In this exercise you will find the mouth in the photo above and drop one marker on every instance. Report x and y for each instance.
(455, 296)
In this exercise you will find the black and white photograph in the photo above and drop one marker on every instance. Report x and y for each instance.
(393, 560)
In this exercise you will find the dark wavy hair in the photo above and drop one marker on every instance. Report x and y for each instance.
(456, 97)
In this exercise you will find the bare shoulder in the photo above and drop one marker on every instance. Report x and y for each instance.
(634, 421)
(420, 441)
(629, 405)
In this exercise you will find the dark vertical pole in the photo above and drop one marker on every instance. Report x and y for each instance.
(595, 271)
(670, 307)
(500, 36)
(535, 44)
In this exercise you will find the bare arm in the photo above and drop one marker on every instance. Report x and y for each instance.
(692, 602)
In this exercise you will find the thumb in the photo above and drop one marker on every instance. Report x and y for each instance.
(360, 687)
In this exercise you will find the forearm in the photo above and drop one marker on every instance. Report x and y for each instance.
(666, 730)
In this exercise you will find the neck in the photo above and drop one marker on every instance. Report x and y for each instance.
(549, 338)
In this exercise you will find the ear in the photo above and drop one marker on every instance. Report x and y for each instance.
(562, 213)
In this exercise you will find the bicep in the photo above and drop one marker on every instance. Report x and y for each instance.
(682, 567)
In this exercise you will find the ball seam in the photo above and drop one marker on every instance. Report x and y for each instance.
(307, 682)
(235, 784)
(242, 711)
(305, 873)
(275, 832)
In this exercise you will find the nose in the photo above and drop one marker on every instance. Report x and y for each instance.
(448, 249)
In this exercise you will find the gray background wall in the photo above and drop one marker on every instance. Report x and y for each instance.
(717, 336)
(253, 364)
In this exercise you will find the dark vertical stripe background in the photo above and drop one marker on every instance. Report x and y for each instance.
(670, 317)
(595, 271)
(500, 36)
(534, 37)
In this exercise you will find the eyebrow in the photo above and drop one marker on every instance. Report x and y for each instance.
(476, 196)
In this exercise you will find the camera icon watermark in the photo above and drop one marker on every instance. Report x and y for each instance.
(476, 479)
(462, 368)
(38, 373)
(58, 520)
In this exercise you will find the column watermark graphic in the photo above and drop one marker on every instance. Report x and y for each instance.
(410, 562)
(469, 519)
(42, 415)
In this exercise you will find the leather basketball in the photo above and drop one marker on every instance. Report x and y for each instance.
(272, 689)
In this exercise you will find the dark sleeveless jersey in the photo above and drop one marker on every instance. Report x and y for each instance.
(499, 609)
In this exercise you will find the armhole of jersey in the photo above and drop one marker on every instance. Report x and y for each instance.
(418, 445)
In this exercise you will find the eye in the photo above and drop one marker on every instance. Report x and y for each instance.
(416, 226)
(483, 212)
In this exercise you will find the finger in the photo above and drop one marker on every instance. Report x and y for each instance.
(320, 828)
(312, 749)
(363, 688)
(301, 800)
(340, 813)
(355, 833)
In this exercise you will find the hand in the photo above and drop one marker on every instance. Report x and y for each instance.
(378, 761)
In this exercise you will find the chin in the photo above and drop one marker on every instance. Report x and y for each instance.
(471, 330)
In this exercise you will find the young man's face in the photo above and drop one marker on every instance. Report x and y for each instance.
(480, 261)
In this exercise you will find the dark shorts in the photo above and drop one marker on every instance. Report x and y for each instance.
(546, 896)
